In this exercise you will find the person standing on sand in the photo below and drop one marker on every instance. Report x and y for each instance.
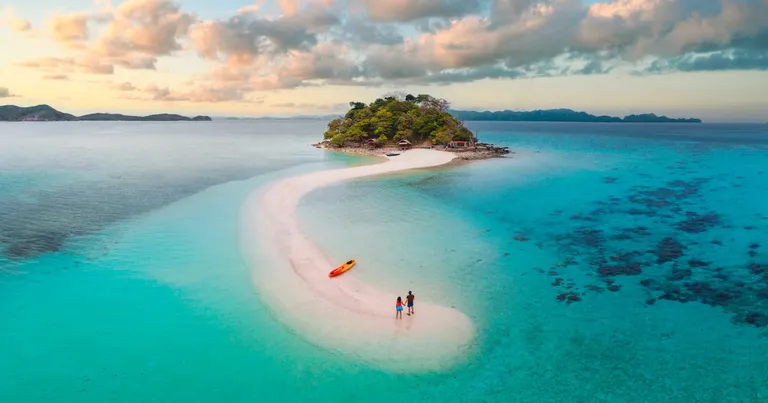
(409, 298)
(399, 308)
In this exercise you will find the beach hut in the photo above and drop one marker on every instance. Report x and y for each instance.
(372, 143)
(457, 144)
(404, 144)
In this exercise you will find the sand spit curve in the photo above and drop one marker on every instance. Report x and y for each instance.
(344, 314)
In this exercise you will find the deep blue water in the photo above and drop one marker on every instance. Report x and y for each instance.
(600, 263)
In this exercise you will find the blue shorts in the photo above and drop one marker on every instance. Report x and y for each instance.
(410, 305)
(399, 308)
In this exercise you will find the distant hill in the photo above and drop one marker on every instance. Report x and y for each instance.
(39, 112)
(563, 115)
(13, 113)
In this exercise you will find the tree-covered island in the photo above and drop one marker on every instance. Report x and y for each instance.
(398, 119)
(388, 120)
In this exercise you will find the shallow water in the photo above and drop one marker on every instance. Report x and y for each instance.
(121, 276)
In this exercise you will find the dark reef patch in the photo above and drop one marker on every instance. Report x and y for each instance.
(569, 297)
(595, 288)
(756, 319)
(623, 269)
(613, 288)
(588, 237)
(521, 238)
(577, 217)
(669, 249)
(680, 274)
(36, 244)
(658, 232)
(696, 223)
(758, 269)
(697, 263)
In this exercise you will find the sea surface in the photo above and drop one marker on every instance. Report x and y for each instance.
(599, 263)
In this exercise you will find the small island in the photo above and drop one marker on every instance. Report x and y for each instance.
(395, 123)
(45, 113)
(564, 115)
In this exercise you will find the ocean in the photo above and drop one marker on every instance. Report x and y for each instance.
(598, 263)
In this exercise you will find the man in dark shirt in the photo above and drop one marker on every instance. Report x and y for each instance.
(409, 299)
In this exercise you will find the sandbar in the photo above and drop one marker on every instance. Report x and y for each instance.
(344, 314)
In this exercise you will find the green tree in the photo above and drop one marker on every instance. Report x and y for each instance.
(339, 140)
(421, 98)
(399, 107)
(334, 128)
(383, 123)
(443, 136)
(356, 134)
(397, 116)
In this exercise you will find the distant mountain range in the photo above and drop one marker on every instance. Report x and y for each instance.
(13, 113)
(564, 115)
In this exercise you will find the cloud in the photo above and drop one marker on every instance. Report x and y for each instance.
(70, 29)
(363, 33)
(6, 93)
(56, 77)
(14, 22)
(312, 106)
(199, 94)
(131, 36)
(410, 10)
(520, 34)
(670, 28)
(301, 43)
(244, 39)
(55, 65)
(717, 61)
(126, 86)
(146, 27)
(477, 42)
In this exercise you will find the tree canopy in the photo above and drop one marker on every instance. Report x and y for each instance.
(397, 117)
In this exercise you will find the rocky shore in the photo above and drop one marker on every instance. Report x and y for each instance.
(479, 152)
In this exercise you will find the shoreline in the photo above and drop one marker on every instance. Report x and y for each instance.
(486, 151)
(344, 314)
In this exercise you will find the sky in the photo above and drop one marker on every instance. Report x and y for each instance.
(681, 58)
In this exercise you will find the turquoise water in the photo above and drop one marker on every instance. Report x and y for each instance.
(121, 276)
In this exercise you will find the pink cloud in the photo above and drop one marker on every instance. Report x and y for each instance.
(56, 77)
(69, 65)
(70, 29)
(16, 23)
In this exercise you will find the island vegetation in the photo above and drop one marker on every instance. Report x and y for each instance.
(45, 113)
(418, 119)
(398, 121)
(564, 115)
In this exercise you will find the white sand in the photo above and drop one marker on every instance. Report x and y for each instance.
(344, 314)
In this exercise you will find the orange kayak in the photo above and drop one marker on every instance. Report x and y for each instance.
(342, 269)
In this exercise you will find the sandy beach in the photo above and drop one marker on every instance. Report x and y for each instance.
(344, 314)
